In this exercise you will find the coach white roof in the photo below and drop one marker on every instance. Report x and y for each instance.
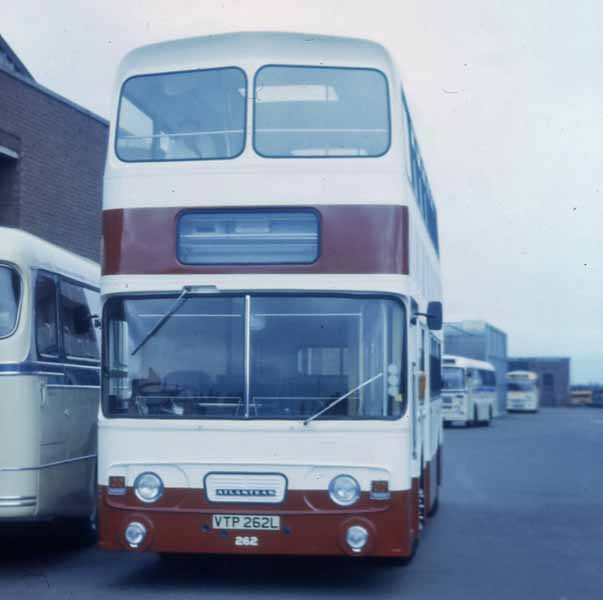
(465, 363)
(254, 48)
(28, 251)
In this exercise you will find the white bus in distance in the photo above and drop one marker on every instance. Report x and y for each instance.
(522, 391)
(49, 380)
(468, 391)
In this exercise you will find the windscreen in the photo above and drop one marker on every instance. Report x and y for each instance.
(453, 378)
(271, 357)
(521, 386)
(191, 115)
(10, 296)
(320, 112)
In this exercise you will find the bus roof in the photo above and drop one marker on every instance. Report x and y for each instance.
(28, 251)
(449, 360)
(232, 49)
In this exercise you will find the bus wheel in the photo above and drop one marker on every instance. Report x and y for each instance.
(489, 417)
(434, 507)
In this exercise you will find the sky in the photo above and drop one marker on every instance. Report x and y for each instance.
(508, 107)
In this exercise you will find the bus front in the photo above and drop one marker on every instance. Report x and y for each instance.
(522, 392)
(455, 394)
(256, 307)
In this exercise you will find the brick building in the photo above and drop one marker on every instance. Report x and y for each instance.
(52, 155)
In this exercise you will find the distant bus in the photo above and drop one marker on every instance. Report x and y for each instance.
(49, 380)
(468, 391)
(271, 303)
(581, 397)
(522, 391)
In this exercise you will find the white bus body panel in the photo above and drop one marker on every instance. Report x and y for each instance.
(48, 431)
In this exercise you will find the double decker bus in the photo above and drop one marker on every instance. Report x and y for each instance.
(49, 381)
(522, 391)
(271, 303)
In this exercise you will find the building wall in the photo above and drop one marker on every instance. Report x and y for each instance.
(481, 341)
(53, 189)
(553, 377)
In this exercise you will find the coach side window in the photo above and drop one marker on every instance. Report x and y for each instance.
(435, 368)
(46, 316)
(79, 336)
(476, 380)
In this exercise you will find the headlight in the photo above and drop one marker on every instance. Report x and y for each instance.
(135, 534)
(356, 538)
(148, 487)
(344, 490)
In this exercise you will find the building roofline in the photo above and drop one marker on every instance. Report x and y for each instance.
(542, 358)
(5, 46)
(48, 92)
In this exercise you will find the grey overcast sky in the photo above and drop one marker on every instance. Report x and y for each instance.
(508, 102)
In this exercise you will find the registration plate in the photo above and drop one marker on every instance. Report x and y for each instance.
(247, 522)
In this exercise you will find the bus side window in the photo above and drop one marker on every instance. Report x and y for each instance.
(94, 309)
(422, 350)
(46, 316)
(79, 336)
(475, 380)
(435, 368)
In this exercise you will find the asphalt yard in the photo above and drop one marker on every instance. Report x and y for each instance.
(521, 516)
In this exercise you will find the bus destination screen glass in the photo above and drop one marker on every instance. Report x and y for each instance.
(453, 378)
(191, 115)
(248, 237)
(10, 296)
(321, 112)
(304, 353)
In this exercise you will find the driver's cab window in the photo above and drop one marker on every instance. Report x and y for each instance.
(473, 378)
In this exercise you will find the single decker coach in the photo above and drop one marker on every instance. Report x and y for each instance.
(523, 394)
(271, 303)
(49, 381)
(469, 391)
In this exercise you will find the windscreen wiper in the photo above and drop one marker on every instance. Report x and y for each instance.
(179, 302)
(338, 400)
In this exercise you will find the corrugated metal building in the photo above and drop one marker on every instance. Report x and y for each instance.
(553, 376)
(482, 341)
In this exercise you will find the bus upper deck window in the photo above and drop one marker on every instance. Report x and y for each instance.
(189, 115)
(310, 112)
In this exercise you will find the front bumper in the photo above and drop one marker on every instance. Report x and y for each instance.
(310, 525)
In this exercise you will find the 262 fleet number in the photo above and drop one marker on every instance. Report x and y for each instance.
(246, 540)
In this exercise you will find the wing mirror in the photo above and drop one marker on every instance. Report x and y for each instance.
(434, 316)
